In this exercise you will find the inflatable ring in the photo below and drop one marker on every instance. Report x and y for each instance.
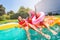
(8, 26)
(39, 19)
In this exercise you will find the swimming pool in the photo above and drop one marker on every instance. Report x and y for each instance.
(20, 34)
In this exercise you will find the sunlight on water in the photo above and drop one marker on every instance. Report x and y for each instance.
(20, 34)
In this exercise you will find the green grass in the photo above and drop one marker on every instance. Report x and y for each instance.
(57, 16)
(7, 21)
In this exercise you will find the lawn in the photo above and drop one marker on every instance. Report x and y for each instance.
(8, 21)
(57, 16)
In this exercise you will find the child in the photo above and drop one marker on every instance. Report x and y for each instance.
(24, 25)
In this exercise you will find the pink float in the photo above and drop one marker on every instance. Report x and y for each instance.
(39, 19)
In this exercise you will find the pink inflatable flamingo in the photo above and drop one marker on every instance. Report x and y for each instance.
(39, 19)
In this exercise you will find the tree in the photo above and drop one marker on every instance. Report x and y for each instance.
(27, 9)
(10, 13)
(2, 10)
(23, 12)
(49, 13)
(21, 9)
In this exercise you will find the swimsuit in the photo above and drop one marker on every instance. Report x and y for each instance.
(23, 23)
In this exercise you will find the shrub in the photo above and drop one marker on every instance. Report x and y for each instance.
(2, 18)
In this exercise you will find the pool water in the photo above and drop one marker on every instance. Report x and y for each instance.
(20, 34)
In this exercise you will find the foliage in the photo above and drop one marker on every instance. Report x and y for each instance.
(2, 18)
(49, 13)
(23, 12)
(10, 12)
(6, 16)
(15, 16)
(2, 10)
